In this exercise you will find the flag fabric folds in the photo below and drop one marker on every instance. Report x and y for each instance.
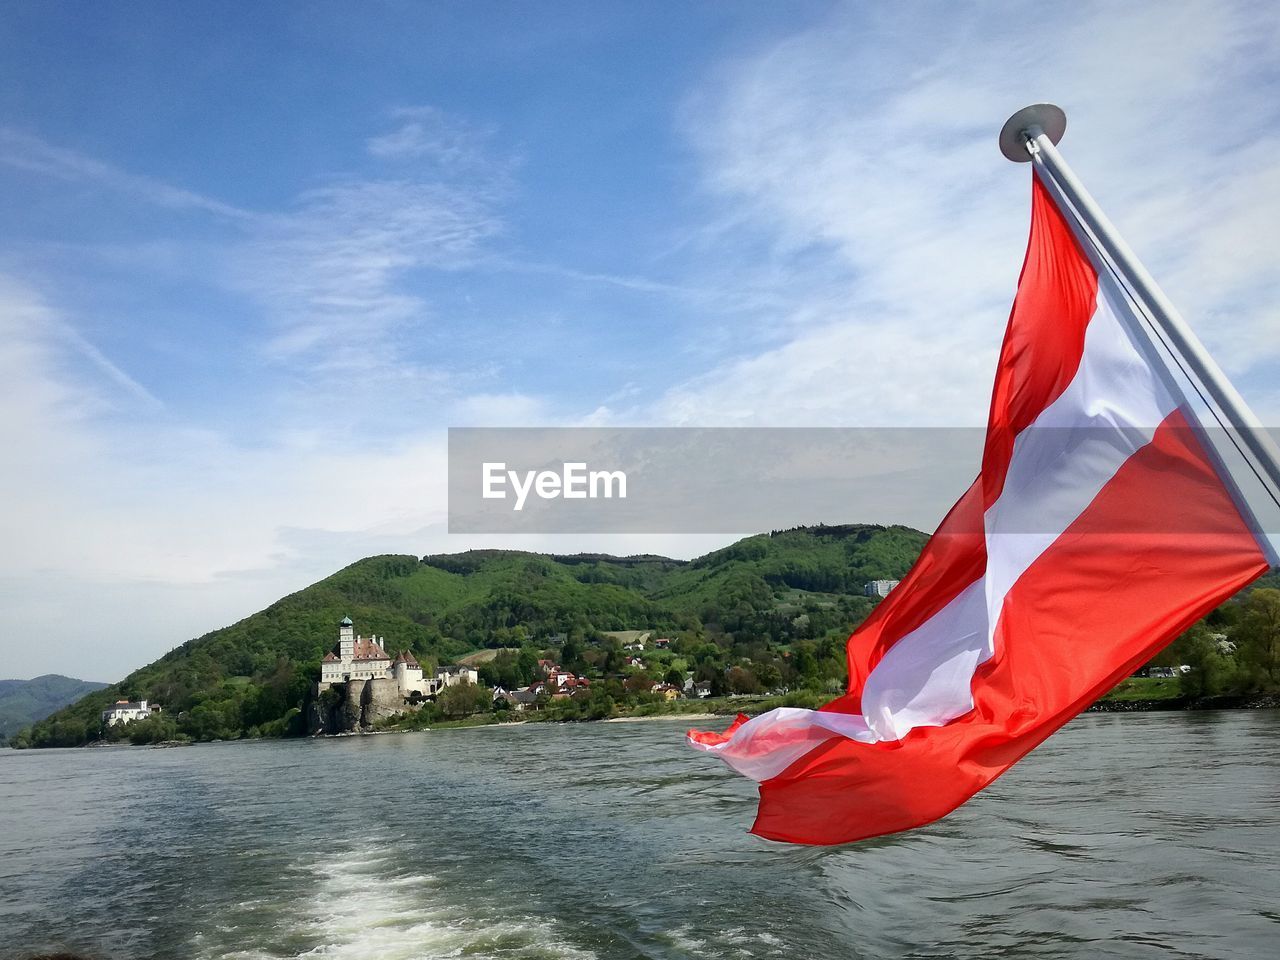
(1096, 532)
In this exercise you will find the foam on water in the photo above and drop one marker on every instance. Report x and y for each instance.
(709, 939)
(365, 905)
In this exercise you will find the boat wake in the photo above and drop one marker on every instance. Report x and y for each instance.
(367, 904)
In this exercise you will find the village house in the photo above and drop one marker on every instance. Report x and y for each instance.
(560, 677)
(696, 690)
(559, 685)
(666, 690)
(518, 700)
(126, 711)
(566, 685)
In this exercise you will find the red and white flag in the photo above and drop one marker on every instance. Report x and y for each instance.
(1097, 531)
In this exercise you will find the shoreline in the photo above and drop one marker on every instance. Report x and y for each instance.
(1232, 701)
(663, 716)
(1266, 701)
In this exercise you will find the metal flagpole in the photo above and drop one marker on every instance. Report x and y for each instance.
(1032, 134)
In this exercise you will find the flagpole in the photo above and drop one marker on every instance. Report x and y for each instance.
(1032, 135)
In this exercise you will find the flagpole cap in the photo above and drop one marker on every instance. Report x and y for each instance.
(1047, 116)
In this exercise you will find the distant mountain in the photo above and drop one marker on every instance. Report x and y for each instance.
(752, 600)
(23, 702)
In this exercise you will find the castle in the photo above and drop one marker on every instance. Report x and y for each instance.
(365, 659)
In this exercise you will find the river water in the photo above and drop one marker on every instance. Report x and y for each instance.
(1122, 836)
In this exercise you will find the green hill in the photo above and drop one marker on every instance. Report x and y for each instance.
(754, 599)
(23, 702)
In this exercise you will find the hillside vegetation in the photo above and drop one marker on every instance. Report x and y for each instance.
(23, 702)
(778, 604)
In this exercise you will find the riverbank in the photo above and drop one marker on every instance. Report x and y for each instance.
(667, 716)
(1140, 696)
(1264, 701)
(1147, 694)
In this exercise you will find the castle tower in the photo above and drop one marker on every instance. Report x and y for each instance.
(346, 640)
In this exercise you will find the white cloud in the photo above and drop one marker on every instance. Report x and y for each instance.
(328, 273)
(27, 152)
(155, 499)
(501, 410)
(429, 134)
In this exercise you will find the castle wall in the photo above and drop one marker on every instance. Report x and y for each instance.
(379, 700)
(410, 680)
(350, 713)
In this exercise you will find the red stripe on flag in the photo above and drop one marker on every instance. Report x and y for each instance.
(712, 738)
(1057, 295)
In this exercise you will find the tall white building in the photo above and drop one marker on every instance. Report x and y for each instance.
(365, 658)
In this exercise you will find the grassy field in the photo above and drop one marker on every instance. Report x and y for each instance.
(1146, 688)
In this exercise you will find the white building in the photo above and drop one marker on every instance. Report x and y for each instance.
(455, 674)
(126, 711)
(879, 588)
(365, 658)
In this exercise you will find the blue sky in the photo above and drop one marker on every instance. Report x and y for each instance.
(257, 258)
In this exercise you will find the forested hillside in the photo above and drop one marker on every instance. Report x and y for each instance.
(23, 702)
(754, 602)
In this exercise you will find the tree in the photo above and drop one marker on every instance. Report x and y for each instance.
(509, 669)
(614, 658)
(742, 680)
(639, 682)
(804, 661)
(1258, 637)
(768, 674)
(1211, 670)
(719, 685)
(156, 729)
(464, 699)
(571, 656)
